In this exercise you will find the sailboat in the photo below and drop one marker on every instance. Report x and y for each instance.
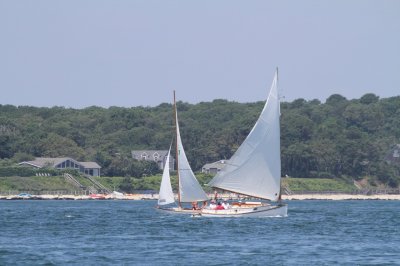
(189, 189)
(255, 168)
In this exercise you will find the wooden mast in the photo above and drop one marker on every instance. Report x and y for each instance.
(280, 191)
(177, 152)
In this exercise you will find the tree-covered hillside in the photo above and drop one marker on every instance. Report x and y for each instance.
(333, 139)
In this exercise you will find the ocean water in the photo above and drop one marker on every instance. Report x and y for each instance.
(134, 233)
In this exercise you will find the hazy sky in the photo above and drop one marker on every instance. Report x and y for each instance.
(130, 52)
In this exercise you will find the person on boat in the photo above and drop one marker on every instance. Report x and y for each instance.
(215, 195)
(194, 205)
(204, 205)
(213, 205)
(219, 206)
(226, 205)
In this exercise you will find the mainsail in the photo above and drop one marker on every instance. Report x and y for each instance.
(255, 168)
(166, 196)
(189, 188)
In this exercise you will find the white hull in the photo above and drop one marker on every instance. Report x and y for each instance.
(176, 210)
(259, 211)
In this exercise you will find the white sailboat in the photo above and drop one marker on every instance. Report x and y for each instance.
(189, 188)
(255, 168)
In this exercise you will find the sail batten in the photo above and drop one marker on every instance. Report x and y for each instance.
(255, 168)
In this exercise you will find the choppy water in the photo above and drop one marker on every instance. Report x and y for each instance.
(133, 233)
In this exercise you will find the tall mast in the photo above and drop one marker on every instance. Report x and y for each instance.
(279, 106)
(177, 152)
(280, 192)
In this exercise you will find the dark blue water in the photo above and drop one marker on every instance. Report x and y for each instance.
(133, 233)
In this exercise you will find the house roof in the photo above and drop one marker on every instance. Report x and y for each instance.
(44, 161)
(90, 164)
(41, 162)
(218, 164)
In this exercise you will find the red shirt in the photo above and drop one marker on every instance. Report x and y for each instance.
(220, 207)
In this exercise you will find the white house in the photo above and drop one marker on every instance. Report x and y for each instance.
(393, 155)
(158, 156)
(215, 167)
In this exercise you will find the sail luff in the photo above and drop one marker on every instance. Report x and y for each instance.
(255, 168)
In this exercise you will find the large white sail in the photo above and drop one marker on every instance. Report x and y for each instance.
(166, 196)
(255, 168)
(189, 188)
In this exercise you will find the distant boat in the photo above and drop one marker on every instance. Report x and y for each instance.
(115, 195)
(255, 168)
(24, 196)
(97, 196)
(189, 189)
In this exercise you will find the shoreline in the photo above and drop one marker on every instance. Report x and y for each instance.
(80, 197)
(316, 196)
(341, 197)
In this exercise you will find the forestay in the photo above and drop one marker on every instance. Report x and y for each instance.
(255, 168)
(189, 188)
(166, 195)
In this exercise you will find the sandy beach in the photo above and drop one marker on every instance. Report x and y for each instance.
(155, 197)
(341, 197)
(81, 197)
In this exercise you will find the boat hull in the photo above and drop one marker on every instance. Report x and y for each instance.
(176, 210)
(259, 211)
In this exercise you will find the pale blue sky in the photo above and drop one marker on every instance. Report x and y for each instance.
(130, 53)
